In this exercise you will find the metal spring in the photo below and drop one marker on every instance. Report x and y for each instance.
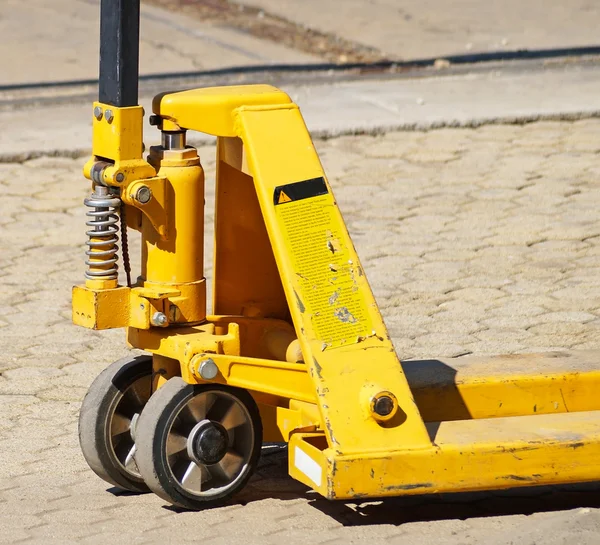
(102, 236)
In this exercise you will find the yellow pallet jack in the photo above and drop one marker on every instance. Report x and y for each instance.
(296, 349)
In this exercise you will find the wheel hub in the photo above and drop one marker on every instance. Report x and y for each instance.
(208, 442)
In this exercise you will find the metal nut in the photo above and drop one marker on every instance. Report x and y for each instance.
(108, 114)
(98, 113)
(120, 177)
(143, 194)
(159, 320)
(208, 369)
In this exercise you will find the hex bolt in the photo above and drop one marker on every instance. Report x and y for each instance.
(208, 369)
(143, 194)
(159, 320)
(383, 405)
(120, 177)
(98, 113)
(108, 114)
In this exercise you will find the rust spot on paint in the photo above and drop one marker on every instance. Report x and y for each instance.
(358, 496)
(520, 478)
(330, 430)
(330, 486)
(408, 486)
(531, 445)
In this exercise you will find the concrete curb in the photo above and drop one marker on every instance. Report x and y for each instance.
(357, 107)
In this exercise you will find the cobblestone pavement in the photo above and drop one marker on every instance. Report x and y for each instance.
(475, 241)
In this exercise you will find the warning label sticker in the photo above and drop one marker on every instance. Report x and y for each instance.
(326, 270)
(299, 190)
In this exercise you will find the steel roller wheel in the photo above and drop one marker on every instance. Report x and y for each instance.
(198, 444)
(108, 417)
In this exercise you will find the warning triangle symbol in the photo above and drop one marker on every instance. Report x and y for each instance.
(283, 198)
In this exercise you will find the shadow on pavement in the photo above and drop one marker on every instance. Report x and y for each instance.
(462, 506)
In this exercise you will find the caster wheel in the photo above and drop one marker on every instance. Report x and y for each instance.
(107, 421)
(198, 444)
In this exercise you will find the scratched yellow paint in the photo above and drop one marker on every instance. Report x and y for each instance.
(467, 455)
(346, 375)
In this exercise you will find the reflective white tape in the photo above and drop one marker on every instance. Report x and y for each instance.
(308, 466)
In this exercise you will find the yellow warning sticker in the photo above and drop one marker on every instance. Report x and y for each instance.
(283, 198)
(326, 270)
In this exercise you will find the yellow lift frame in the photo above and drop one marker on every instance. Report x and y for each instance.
(295, 322)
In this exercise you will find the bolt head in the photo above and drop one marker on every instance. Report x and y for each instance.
(120, 177)
(383, 405)
(208, 369)
(143, 194)
(208, 442)
(109, 115)
(98, 113)
(159, 319)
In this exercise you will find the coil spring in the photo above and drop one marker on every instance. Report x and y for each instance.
(102, 235)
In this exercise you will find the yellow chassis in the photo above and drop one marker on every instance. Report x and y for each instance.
(297, 325)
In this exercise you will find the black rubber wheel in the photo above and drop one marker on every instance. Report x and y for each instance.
(197, 445)
(108, 417)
